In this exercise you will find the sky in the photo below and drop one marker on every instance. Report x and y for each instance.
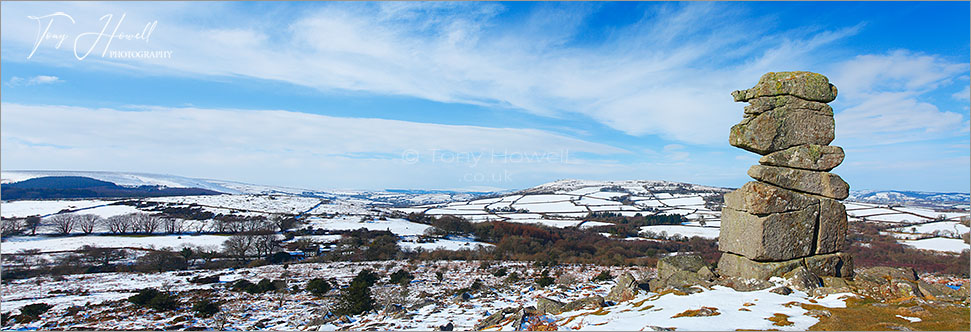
(472, 96)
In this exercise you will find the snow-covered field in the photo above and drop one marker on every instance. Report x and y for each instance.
(683, 230)
(52, 244)
(939, 244)
(256, 203)
(21, 209)
(427, 304)
(400, 227)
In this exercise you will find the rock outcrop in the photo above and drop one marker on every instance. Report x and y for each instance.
(789, 222)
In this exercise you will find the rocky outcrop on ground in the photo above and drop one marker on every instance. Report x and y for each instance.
(789, 222)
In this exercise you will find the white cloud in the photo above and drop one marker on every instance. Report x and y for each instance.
(964, 94)
(277, 146)
(36, 80)
(670, 74)
(883, 99)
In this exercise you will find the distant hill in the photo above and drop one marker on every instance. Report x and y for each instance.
(57, 187)
(921, 198)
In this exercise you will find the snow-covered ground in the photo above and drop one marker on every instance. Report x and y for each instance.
(400, 227)
(257, 203)
(938, 244)
(21, 209)
(52, 244)
(427, 303)
(683, 230)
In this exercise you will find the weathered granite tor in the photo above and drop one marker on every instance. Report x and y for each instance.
(791, 216)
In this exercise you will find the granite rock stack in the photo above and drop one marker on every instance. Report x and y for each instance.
(791, 216)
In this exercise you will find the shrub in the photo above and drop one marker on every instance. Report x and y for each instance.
(160, 261)
(152, 298)
(35, 310)
(265, 285)
(401, 277)
(603, 276)
(318, 286)
(512, 277)
(205, 308)
(501, 272)
(356, 298)
(439, 275)
(243, 285)
(544, 279)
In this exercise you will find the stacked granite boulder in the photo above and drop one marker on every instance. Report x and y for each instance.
(791, 216)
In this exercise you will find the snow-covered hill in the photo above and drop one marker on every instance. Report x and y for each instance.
(911, 198)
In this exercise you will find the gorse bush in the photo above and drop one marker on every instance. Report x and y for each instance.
(265, 285)
(401, 277)
(152, 298)
(318, 286)
(205, 308)
(35, 310)
(544, 279)
(356, 298)
(603, 276)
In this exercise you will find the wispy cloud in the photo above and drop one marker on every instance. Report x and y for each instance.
(668, 74)
(884, 98)
(278, 146)
(15, 81)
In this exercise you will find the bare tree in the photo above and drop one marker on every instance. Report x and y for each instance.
(172, 225)
(32, 223)
(87, 222)
(145, 223)
(265, 243)
(27, 258)
(240, 246)
(64, 223)
(118, 224)
(11, 227)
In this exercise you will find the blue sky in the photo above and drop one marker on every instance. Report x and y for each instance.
(474, 95)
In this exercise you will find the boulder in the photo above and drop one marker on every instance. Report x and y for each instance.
(738, 266)
(831, 232)
(834, 282)
(883, 273)
(590, 302)
(831, 265)
(678, 279)
(671, 264)
(743, 284)
(938, 292)
(773, 237)
(810, 156)
(802, 279)
(549, 306)
(761, 198)
(781, 290)
(762, 104)
(827, 290)
(781, 129)
(819, 183)
(461, 297)
(803, 84)
(625, 289)
(706, 273)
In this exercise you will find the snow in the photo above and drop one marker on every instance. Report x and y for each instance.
(910, 319)
(696, 200)
(452, 243)
(543, 198)
(257, 203)
(688, 231)
(938, 244)
(651, 310)
(20, 209)
(51, 244)
(399, 227)
(941, 226)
